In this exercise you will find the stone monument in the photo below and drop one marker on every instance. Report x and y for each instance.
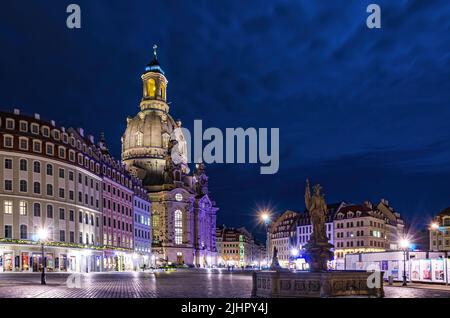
(319, 281)
(318, 249)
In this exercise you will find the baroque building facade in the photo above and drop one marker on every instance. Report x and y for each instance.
(155, 150)
(58, 180)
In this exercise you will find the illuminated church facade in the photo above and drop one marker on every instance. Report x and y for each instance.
(155, 150)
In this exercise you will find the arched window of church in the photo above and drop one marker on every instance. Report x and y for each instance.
(178, 227)
(139, 138)
(151, 87)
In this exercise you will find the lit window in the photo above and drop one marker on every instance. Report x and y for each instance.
(178, 227)
(23, 208)
(8, 207)
(151, 87)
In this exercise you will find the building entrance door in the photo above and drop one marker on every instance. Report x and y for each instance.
(180, 259)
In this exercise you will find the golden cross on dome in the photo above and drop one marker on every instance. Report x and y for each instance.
(154, 50)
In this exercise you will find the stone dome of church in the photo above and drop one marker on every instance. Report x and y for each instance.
(146, 130)
(145, 144)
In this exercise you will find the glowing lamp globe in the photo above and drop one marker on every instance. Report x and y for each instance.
(42, 234)
(404, 243)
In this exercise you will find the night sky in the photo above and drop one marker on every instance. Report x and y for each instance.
(363, 112)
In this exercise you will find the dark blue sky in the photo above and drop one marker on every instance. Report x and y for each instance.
(364, 112)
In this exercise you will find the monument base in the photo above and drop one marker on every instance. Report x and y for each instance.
(287, 284)
(318, 254)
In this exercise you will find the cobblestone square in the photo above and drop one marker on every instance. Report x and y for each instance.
(180, 284)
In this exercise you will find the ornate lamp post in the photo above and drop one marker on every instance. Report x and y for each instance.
(42, 236)
(404, 245)
(265, 217)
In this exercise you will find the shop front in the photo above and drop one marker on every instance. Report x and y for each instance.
(28, 258)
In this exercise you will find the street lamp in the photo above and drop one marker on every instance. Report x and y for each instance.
(43, 235)
(404, 245)
(265, 218)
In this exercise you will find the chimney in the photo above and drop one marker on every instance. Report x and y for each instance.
(52, 122)
(368, 204)
(91, 138)
(16, 111)
(37, 116)
(63, 129)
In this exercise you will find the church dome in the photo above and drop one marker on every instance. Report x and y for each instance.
(145, 143)
(146, 130)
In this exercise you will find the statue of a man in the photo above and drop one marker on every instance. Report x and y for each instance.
(318, 211)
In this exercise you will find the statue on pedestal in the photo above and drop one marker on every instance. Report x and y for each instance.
(318, 248)
(275, 263)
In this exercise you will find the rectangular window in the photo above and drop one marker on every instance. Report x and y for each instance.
(8, 207)
(62, 236)
(62, 214)
(8, 231)
(72, 237)
(37, 210)
(23, 144)
(8, 185)
(8, 163)
(23, 186)
(49, 149)
(37, 188)
(62, 152)
(61, 193)
(23, 207)
(49, 170)
(71, 215)
(61, 173)
(23, 126)
(36, 146)
(49, 189)
(49, 211)
(23, 165)
(8, 141)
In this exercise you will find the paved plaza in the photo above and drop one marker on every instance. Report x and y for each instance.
(180, 284)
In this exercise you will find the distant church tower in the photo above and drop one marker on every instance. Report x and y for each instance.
(154, 149)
